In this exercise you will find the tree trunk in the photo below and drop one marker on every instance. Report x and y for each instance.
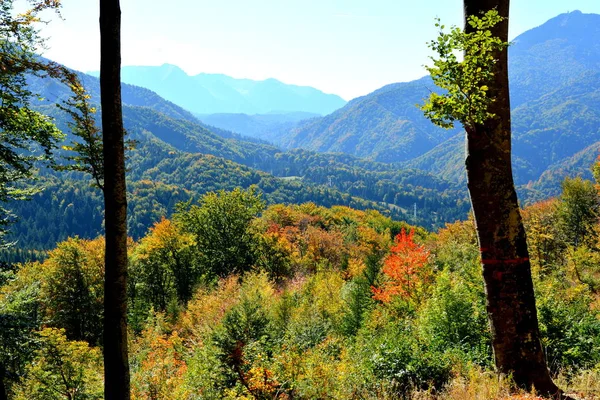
(116, 363)
(504, 255)
(3, 394)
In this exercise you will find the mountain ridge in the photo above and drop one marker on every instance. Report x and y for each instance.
(178, 158)
(207, 93)
(555, 92)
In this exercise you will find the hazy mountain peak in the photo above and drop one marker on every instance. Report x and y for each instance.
(212, 75)
(209, 93)
(273, 80)
(170, 67)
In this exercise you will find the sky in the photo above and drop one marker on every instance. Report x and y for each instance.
(345, 47)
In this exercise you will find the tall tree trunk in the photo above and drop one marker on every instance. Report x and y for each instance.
(504, 255)
(3, 394)
(116, 363)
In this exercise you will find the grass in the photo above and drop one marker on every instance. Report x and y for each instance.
(486, 385)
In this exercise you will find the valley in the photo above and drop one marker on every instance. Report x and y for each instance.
(247, 238)
(378, 151)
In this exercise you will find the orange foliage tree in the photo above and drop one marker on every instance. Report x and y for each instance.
(596, 172)
(405, 269)
(158, 366)
(542, 223)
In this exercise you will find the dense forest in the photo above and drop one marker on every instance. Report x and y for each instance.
(182, 158)
(229, 299)
(374, 256)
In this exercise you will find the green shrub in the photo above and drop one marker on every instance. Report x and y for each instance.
(570, 330)
(397, 357)
(454, 318)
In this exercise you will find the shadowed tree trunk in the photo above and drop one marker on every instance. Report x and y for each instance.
(3, 395)
(116, 363)
(504, 255)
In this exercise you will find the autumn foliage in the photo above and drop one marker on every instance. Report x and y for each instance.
(335, 307)
(404, 269)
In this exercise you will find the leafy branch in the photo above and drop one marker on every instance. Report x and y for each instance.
(88, 157)
(464, 82)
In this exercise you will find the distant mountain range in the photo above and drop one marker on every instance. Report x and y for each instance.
(269, 127)
(178, 158)
(218, 93)
(387, 156)
(555, 95)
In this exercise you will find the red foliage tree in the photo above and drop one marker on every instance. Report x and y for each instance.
(405, 269)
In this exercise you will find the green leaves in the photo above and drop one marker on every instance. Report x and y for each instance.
(220, 225)
(465, 97)
(88, 156)
(26, 136)
(62, 369)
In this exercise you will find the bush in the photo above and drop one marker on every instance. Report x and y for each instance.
(73, 291)
(455, 318)
(245, 323)
(397, 356)
(62, 369)
(570, 330)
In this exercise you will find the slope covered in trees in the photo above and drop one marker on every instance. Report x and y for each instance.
(160, 176)
(175, 152)
(384, 126)
(554, 92)
(313, 302)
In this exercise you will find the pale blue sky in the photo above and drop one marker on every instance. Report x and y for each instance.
(346, 47)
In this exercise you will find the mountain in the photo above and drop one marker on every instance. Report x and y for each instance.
(556, 126)
(178, 158)
(218, 93)
(267, 127)
(52, 92)
(554, 136)
(553, 55)
(555, 93)
(385, 126)
(446, 160)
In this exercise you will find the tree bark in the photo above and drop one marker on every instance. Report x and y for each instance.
(3, 394)
(504, 255)
(116, 363)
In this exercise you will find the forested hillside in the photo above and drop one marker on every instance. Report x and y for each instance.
(554, 96)
(385, 126)
(161, 176)
(177, 158)
(304, 302)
